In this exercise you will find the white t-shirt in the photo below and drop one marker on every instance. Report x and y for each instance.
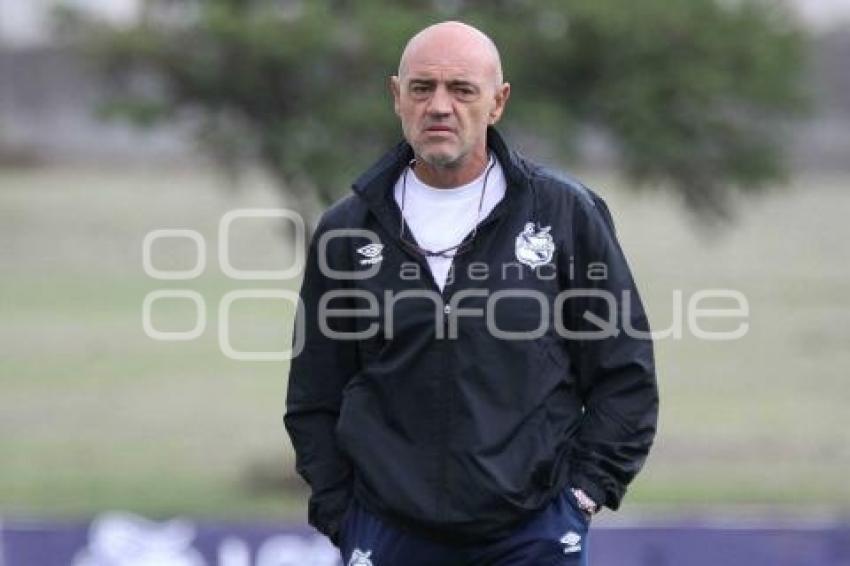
(441, 218)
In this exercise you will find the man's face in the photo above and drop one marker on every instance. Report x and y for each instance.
(446, 99)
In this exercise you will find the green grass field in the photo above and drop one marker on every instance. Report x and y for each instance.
(95, 415)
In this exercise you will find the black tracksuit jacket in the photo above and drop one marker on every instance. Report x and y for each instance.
(462, 435)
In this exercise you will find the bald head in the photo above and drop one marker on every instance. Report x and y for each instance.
(450, 41)
(448, 92)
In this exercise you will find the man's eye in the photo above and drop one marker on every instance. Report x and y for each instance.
(419, 89)
(465, 92)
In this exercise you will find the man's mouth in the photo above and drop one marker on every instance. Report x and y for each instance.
(439, 129)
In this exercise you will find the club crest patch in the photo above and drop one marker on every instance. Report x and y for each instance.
(360, 558)
(534, 247)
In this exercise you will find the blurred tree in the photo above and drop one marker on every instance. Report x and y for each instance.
(692, 93)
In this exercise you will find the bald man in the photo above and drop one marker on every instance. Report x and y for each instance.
(476, 377)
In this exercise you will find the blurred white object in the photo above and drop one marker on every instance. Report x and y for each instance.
(123, 539)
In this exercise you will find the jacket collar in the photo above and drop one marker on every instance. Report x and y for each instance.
(375, 184)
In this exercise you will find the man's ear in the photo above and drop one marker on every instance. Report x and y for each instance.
(500, 99)
(395, 89)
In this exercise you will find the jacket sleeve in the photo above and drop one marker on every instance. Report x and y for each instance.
(616, 373)
(317, 376)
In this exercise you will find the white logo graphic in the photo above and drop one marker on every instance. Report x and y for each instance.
(372, 254)
(572, 541)
(534, 248)
(120, 539)
(360, 558)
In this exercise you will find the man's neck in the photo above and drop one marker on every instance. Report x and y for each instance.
(454, 175)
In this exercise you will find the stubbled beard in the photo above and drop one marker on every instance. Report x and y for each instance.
(443, 160)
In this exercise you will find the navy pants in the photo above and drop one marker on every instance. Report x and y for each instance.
(556, 535)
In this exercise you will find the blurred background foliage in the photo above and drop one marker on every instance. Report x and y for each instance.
(691, 94)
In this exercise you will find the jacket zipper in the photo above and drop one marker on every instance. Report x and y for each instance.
(444, 390)
(445, 400)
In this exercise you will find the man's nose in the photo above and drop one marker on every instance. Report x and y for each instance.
(440, 103)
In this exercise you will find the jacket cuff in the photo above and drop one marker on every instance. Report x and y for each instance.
(326, 514)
